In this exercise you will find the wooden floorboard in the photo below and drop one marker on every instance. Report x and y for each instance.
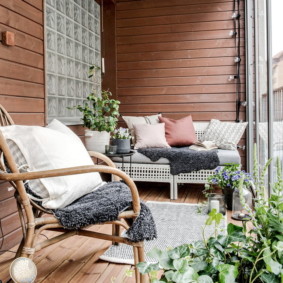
(77, 260)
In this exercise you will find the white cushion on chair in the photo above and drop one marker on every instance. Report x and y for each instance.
(60, 127)
(53, 148)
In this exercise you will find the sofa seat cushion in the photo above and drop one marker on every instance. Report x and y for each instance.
(225, 156)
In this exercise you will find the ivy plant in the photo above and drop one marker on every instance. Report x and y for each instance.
(240, 255)
(100, 112)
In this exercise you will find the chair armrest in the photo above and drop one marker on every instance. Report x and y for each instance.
(105, 159)
(14, 177)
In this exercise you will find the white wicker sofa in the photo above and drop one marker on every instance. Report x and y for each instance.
(143, 169)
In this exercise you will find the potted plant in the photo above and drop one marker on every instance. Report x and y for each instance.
(100, 117)
(122, 139)
(228, 178)
(240, 255)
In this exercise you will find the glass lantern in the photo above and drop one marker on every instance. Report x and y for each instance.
(239, 211)
(216, 201)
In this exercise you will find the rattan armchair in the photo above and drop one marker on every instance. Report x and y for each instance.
(39, 219)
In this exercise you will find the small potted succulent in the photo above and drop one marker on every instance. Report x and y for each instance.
(228, 179)
(122, 139)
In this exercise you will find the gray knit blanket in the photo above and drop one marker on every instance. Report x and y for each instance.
(183, 159)
(104, 205)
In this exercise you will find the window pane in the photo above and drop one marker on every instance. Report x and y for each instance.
(72, 45)
(261, 85)
(277, 79)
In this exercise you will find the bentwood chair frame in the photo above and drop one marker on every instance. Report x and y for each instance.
(38, 219)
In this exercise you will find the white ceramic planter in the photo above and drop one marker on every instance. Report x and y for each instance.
(96, 141)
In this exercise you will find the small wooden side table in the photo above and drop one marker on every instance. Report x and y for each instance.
(123, 155)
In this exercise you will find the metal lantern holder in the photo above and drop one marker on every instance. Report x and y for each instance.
(240, 211)
(216, 201)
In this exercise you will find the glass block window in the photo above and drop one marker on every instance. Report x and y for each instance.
(72, 45)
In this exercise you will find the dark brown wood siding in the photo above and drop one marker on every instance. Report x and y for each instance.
(21, 89)
(175, 57)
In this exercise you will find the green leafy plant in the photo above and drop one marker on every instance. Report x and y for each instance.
(241, 255)
(183, 264)
(100, 112)
(229, 176)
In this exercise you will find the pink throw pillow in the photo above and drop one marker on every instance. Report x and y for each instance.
(150, 135)
(179, 132)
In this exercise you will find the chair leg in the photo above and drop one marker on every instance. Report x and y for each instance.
(172, 190)
(175, 190)
(20, 248)
(136, 260)
(115, 232)
(141, 259)
(28, 245)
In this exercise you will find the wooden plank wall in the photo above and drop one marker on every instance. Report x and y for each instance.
(21, 88)
(175, 57)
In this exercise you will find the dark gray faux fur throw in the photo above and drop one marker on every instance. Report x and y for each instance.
(104, 205)
(183, 159)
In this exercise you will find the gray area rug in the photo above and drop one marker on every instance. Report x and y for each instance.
(176, 223)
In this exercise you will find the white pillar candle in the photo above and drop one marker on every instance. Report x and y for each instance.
(214, 204)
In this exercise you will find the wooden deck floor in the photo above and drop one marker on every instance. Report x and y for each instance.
(77, 258)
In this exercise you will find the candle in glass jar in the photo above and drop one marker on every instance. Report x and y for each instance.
(214, 204)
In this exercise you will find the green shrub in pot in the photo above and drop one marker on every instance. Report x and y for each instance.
(100, 117)
(102, 114)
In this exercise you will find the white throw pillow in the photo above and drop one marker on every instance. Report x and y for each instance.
(36, 185)
(226, 135)
(60, 127)
(45, 149)
(150, 136)
(138, 120)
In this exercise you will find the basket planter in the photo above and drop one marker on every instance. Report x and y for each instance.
(96, 141)
(123, 145)
(228, 194)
